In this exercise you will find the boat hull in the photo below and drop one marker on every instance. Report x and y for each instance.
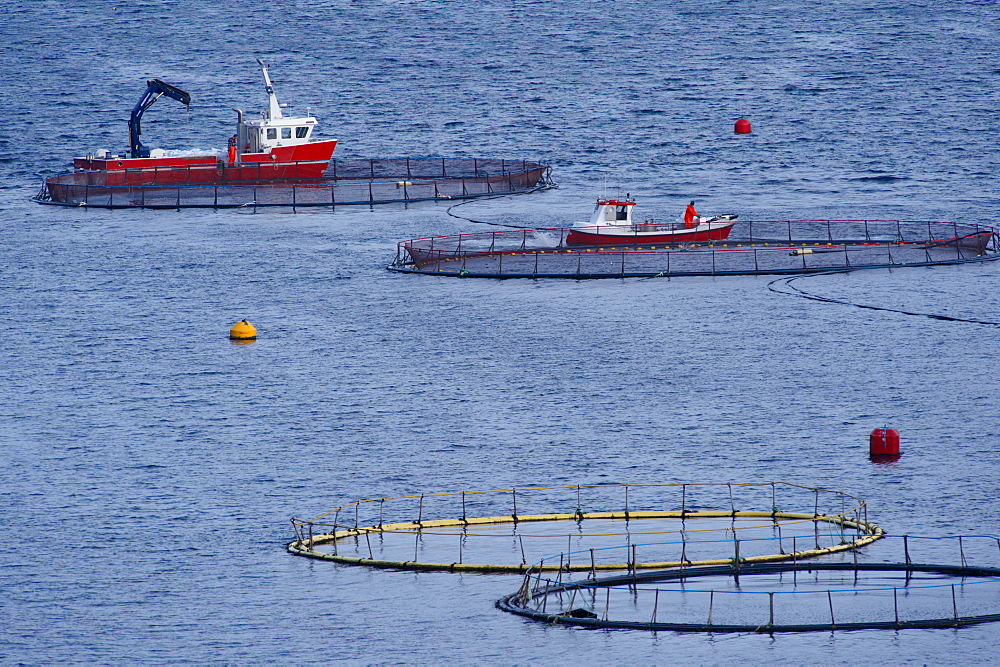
(304, 161)
(604, 236)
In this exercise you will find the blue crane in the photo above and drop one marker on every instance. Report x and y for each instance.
(154, 89)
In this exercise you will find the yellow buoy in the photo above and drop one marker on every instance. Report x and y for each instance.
(243, 330)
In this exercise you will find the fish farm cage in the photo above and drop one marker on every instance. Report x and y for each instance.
(505, 531)
(755, 247)
(346, 182)
(897, 583)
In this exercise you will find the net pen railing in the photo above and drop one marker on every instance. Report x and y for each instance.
(347, 182)
(497, 531)
(899, 583)
(757, 247)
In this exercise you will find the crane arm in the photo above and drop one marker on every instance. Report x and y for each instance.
(154, 89)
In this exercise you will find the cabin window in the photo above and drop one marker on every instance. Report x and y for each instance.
(286, 133)
(301, 132)
(272, 133)
(623, 213)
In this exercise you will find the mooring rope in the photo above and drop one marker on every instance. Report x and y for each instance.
(787, 280)
(542, 186)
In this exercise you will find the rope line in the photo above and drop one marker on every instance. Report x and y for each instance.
(544, 186)
(786, 282)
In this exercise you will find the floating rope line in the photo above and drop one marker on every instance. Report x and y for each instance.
(796, 291)
(545, 184)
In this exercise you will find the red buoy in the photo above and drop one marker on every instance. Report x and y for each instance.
(742, 126)
(884, 442)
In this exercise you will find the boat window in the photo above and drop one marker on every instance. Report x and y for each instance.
(286, 133)
(272, 133)
(623, 213)
(301, 132)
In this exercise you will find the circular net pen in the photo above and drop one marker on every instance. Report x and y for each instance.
(346, 183)
(755, 248)
(898, 583)
(505, 531)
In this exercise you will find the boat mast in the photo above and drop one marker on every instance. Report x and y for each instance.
(274, 110)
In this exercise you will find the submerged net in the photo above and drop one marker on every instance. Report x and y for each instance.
(755, 247)
(893, 585)
(346, 182)
(506, 530)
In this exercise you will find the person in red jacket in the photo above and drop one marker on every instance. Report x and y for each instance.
(689, 216)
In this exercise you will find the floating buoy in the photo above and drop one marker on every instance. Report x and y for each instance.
(884, 442)
(742, 126)
(801, 251)
(243, 330)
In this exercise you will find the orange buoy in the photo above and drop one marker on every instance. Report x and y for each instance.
(243, 330)
(884, 442)
(742, 126)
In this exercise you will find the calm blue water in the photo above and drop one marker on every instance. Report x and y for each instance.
(150, 467)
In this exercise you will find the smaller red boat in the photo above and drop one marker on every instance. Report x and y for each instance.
(275, 147)
(612, 224)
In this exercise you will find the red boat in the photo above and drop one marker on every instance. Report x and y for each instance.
(275, 147)
(612, 224)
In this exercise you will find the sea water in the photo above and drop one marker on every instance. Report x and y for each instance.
(150, 467)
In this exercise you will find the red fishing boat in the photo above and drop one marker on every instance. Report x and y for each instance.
(274, 147)
(612, 224)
